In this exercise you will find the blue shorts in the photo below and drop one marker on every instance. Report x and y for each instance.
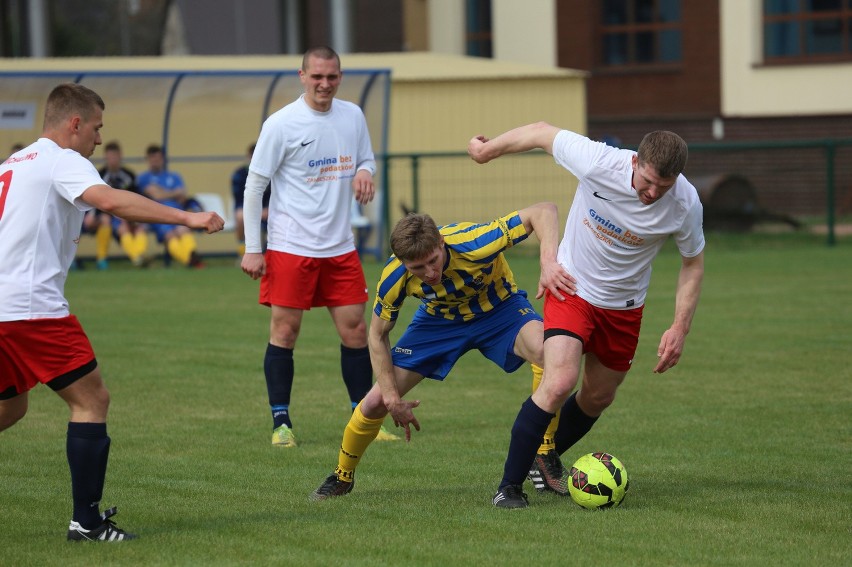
(161, 230)
(431, 345)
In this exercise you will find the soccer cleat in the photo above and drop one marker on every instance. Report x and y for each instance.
(195, 261)
(511, 496)
(332, 486)
(102, 264)
(107, 531)
(385, 435)
(547, 473)
(283, 436)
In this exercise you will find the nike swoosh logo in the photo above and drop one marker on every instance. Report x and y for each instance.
(595, 194)
(306, 143)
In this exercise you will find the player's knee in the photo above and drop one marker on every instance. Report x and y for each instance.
(594, 402)
(553, 396)
(283, 333)
(354, 336)
(536, 357)
(98, 402)
(373, 406)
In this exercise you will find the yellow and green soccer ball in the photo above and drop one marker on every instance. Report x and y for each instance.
(598, 480)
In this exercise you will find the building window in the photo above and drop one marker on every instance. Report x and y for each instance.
(478, 31)
(807, 31)
(640, 32)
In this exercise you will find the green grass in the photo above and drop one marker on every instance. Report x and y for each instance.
(739, 456)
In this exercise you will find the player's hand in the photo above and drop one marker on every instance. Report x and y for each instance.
(555, 279)
(476, 149)
(253, 264)
(404, 417)
(363, 187)
(209, 221)
(670, 349)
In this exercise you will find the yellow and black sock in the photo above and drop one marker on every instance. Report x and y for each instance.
(548, 443)
(359, 433)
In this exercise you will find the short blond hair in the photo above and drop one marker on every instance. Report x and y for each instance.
(68, 99)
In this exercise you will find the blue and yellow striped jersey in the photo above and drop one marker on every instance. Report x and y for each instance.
(476, 276)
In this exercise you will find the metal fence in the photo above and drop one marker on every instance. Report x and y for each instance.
(744, 186)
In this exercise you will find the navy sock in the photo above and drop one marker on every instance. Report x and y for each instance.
(527, 433)
(280, 416)
(573, 425)
(278, 368)
(357, 372)
(87, 449)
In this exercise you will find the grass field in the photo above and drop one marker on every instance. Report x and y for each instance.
(739, 456)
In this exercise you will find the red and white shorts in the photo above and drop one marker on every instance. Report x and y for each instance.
(610, 334)
(301, 282)
(55, 352)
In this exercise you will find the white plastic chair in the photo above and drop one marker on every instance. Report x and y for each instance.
(213, 202)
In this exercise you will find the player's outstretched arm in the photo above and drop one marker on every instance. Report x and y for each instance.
(543, 220)
(400, 410)
(686, 301)
(136, 208)
(538, 135)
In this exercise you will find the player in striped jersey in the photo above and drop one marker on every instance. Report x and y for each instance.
(469, 300)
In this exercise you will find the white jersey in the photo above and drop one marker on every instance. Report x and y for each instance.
(41, 215)
(311, 158)
(610, 237)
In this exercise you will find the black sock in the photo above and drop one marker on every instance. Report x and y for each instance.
(573, 424)
(278, 368)
(87, 449)
(527, 433)
(357, 372)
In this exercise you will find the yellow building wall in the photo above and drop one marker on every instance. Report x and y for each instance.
(442, 116)
(436, 105)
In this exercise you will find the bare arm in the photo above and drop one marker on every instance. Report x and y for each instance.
(538, 135)
(136, 208)
(686, 301)
(378, 340)
(543, 219)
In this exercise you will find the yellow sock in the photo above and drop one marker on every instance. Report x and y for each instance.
(357, 436)
(189, 244)
(178, 251)
(128, 245)
(102, 237)
(140, 243)
(548, 443)
(241, 249)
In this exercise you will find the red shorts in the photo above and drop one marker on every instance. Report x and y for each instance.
(301, 282)
(610, 334)
(55, 352)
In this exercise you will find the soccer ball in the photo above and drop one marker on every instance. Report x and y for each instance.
(598, 480)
